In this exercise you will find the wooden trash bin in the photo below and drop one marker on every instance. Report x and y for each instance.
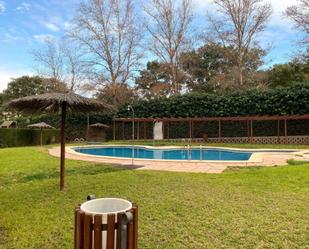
(104, 227)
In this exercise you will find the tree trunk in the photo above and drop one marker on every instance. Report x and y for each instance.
(240, 70)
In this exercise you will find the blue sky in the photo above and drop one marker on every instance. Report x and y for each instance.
(25, 24)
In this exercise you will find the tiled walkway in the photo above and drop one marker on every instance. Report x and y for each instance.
(267, 159)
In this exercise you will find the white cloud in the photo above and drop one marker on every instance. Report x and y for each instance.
(12, 36)
(2, 7)
(6, 76)
(279, 5)
(277, 18)
(44, 37)
(67, 25)
(201, 4)
(9, 37)
(24, 6)
(279, 33)
(277, 25)
(51, 26)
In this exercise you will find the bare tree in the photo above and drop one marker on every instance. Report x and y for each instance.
(169, 27)
(116, 94)
(238, 25)
(300, 16)
(75, 74)
(109, 34)
(49, 60)
(59, 62)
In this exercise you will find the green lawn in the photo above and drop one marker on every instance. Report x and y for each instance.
(244, 208)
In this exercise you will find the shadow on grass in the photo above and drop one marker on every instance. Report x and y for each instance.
(4, 236)
(291, 162)
(296, 162)
(89, 170)
(251, 168)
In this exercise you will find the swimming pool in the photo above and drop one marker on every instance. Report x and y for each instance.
(166, 154)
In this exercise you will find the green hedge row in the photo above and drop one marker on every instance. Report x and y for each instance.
(280, 101)
(76, 123)
(177, 130)
(27, 137)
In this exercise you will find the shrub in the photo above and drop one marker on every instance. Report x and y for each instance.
(279, 101)
(26, 137)
(76, 123)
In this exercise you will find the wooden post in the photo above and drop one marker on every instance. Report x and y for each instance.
(278, 131)
(163, 129)
(62, 149)
(133, 129)
(78, 230)
(219, 130)
(135, 225)
(248, 131)
(110, 231)
(145, 133)
(130, 242)
(190, 129)
(137, 130)
(168, 130)
(119, 234)
(122, 130)
(114, 130)
(285, 132)
(41, 139)
(251, 131)
(97, 232)
(87, 232)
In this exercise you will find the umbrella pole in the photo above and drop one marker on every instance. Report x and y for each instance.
(62, 156)
(41, 138)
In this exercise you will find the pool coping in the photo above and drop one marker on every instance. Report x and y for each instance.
(256, 156)
(266, 159)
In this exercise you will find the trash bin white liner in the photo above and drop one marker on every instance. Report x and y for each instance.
(105, 206)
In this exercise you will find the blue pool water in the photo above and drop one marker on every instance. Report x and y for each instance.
(167, 154)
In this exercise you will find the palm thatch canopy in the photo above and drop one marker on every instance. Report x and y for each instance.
(8, 124)
(99, 125)
(52, 102)
(41, 125)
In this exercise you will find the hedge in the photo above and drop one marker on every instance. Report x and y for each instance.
(178, 130)
(76, 123)
(280, 101)
(27, 137)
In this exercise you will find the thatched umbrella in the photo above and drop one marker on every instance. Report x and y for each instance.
(99, 125)
(54, 102)
(41, 126)
(96, 132)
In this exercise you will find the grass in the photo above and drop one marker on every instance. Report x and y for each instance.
(247, 208)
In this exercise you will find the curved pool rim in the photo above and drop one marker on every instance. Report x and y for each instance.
(256, 154)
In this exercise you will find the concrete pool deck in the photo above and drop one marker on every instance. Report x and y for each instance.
(259, 158)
